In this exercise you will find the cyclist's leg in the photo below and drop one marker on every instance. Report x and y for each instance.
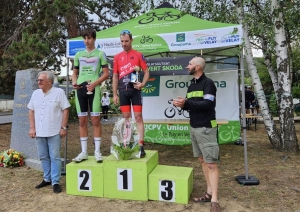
(137, 105)
(125, 103)
(94, 103)
(81, 100)
(82, 111)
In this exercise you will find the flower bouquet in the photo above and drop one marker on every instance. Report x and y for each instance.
(11, 158)
(124, 140)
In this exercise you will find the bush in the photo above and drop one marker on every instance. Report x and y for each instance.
(274, 109)
(72, 109)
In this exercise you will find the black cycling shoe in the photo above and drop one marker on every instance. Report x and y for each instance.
(142, 152)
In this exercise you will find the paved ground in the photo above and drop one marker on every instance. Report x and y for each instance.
(6, 118)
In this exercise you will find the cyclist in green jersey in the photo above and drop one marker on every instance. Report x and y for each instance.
(90, 70)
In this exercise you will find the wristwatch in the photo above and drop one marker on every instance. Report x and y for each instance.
(64, 128)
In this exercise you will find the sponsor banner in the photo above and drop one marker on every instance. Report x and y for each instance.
(179, 134)
(203, 39)
(154, 43)
(168, 134)
(168, 65)
(173, 86)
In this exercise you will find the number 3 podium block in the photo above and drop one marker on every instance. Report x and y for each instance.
(128, 179)
(85, 178)
(171, 184)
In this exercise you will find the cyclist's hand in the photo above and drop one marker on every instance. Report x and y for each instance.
(75, 86)
(138, 85)
(91, 87)
(116, 100)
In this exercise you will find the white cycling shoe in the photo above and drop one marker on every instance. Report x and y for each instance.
(82, 156)
(98, 157)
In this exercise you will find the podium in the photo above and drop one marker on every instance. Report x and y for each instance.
(85, 178)
(127, 179)
(170, 184)
(137, 179)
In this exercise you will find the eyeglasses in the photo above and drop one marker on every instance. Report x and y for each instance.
(39, 80)
(125, 31)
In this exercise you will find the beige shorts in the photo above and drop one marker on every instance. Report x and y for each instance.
(205, 144)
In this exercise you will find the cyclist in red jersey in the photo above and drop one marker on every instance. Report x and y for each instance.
(124, 65)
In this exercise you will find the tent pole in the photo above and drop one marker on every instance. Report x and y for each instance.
(64, 170)
(245, 179)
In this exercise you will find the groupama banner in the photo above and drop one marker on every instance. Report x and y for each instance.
(168, 129)
(164, 30)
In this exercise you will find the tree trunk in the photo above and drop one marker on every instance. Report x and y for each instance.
(271, 129)
(288, 139)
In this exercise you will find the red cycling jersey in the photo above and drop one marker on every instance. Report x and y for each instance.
(124, 64)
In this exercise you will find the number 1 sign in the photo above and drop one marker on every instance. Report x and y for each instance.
(124, 177)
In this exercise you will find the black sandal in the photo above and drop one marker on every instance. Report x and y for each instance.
(206, 197)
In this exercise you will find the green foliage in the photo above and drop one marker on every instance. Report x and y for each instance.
(72, 110)
(33, 34)
(296, 90)
(115, 109)
(273, 106)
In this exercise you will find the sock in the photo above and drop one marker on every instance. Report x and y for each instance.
(83, 141)
(97, 143)
(141, 143)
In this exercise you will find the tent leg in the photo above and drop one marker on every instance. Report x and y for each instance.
(245, 179)
(65, 160)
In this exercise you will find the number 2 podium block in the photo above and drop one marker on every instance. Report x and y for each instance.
(85, 178)
(171, 184)
(128, 179)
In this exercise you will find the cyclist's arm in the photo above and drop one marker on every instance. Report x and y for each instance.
(146, 77)
(103, 77)
(115, 87)
(75, 71)
(75, 76)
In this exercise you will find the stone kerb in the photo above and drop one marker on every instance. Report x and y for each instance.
(25, 84)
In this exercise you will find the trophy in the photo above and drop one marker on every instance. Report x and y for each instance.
(89, 82)
(135, 75)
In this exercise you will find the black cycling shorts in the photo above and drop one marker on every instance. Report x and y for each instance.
(88, 102)
(131, 96)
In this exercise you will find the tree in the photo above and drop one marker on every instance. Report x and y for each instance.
(34, 33)
(284, 139)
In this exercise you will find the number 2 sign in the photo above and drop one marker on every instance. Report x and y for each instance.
(84, 180)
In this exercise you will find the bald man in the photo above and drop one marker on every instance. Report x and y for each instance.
(200, 101)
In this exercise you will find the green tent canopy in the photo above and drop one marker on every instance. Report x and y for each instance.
(166, 30)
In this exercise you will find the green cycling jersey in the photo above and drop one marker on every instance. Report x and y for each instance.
(89, 65)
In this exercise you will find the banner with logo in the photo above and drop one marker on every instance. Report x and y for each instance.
(164, 30)
(168, 65)
(161, 89)
(157, 105)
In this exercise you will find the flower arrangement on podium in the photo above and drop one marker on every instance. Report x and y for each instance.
(124, 140)
(11, 158)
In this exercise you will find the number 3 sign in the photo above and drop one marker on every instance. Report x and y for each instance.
(166, 190)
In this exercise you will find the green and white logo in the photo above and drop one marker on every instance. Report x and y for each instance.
(152, 87)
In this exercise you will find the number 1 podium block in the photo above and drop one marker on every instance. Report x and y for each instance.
(85, 178)
(171, 184)
(128, 179)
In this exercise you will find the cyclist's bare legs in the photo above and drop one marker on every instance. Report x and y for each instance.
(83, 120)
(96, 125)
(140, 124)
